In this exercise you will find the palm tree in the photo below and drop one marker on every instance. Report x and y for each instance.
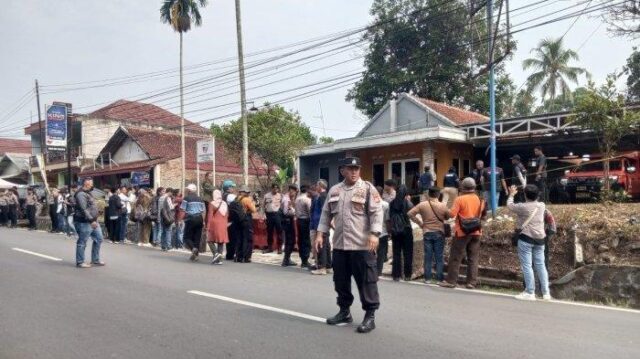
(551, 63)
(180, 14)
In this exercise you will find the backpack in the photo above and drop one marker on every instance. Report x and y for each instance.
(236, 212)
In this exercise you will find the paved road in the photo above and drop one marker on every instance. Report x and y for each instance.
(140, 306)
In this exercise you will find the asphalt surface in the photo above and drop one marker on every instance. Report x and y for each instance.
(139, 306)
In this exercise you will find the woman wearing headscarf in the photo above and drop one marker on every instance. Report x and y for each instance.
(217, 222)
(143, 217)
(401, 234)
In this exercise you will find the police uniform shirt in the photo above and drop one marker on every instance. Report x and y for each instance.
(303, 206)
(346, 205)
(272, 202)
(288, 208)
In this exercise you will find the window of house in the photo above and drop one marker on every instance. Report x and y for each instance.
(378, 174)
(406, 172)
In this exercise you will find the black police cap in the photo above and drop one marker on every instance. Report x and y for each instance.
(351, 162)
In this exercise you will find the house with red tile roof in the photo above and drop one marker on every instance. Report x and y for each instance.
(406, 135)
(157, 154)
(92, 131)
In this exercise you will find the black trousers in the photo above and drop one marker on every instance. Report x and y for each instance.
(193, 232)
(13, 215)
(324, 255)
(289, 236)
(234, 235)
(383, 249)
(362, 266)
(244, 248)
(54, 217)
(274, 223)
(304, 240)
(402, 244)
(543, 196)
(31, 216)
(4, 214)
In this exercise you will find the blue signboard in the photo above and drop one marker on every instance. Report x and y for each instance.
(56, 137)
(140, 178)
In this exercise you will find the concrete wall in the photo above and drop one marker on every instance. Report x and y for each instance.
(95, 135)
(130, 151)
(170, 176)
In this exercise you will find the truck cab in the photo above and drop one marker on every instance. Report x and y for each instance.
(586, 180)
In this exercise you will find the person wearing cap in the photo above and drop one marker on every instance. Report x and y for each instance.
(194, 210)
(354, 206)
(288, 223)
(451, 185)
(467, 207)
(432, 213)
(244, 247)
(272, 202)
(519, 177)
(234, 230)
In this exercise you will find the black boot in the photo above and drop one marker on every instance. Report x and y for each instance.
(368, 324)
(343, 316)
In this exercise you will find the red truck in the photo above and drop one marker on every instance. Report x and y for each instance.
(586, 180)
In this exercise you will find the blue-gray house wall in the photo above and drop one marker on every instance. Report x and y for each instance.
(410, 116)
(310, 167)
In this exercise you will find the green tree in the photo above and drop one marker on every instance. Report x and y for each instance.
(632, 70)
(430, 48)
(518, 104)
(326, 140)
(275, 136)
(602, 110)
(180, 14)
(552, 70)
(563, 103)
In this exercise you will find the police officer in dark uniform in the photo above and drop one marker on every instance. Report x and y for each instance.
(356, 209)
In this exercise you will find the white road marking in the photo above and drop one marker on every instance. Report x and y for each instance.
(37, 254)
(497, 294)
(259, 306)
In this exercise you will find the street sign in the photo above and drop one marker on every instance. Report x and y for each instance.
(56, 137)
(205, 150)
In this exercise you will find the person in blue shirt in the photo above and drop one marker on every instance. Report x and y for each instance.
(323, 264)
(426, 179)
(194, 209)
(451, 184)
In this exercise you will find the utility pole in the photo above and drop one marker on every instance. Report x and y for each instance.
(39, 119)
(492, 107)
(243, 99)
(69, 132)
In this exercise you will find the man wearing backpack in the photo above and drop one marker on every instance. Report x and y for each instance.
(167, 217)
(469, 210)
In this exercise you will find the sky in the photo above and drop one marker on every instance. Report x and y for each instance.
(91, 53)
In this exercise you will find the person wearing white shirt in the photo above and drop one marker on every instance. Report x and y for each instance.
(123, 221)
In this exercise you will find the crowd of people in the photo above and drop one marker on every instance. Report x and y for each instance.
(222, 219)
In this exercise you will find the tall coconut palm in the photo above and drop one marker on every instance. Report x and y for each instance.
(551, 63)
(180, 14)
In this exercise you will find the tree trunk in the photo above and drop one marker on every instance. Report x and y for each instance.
(182, 149)
(605, 167)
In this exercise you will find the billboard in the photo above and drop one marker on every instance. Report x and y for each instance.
(205, 150)
(140, 178)
(56, 120)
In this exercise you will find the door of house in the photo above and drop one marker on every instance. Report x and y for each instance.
(406, 172)
(378, 174)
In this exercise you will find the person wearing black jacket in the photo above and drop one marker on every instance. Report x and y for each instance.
(115, 210)
(401, 235)
(86, 219)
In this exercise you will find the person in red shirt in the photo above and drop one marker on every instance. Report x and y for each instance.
(179, 228)
(466, 207)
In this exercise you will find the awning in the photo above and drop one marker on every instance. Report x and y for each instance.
(123, 168)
